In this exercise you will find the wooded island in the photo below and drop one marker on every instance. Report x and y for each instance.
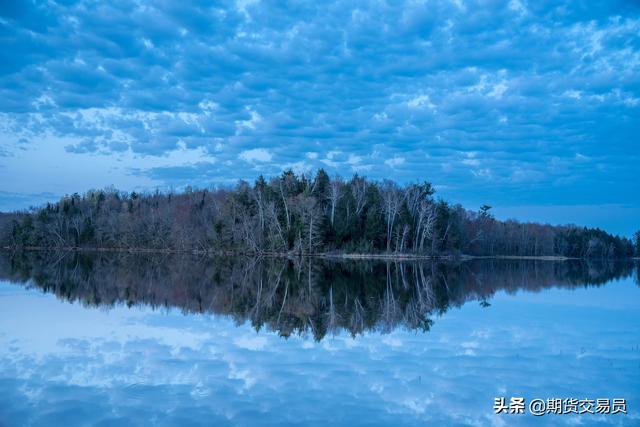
(298, 215)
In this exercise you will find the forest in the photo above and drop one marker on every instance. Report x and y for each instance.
(298, 215)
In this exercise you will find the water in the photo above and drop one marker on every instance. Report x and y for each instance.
(178, 341)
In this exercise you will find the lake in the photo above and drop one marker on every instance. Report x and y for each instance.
(177, 340)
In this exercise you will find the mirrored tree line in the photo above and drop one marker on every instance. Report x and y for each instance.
(300, 295)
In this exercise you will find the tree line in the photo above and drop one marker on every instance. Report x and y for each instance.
(298, 214)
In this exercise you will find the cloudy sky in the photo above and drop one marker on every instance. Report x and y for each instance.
(530, 106)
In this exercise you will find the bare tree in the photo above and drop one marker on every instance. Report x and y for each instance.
(392, 199)
(426, 225)
(335, 192)
(308, 210)
(359, 190)
(276, 234)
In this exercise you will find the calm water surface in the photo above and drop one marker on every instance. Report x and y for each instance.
(104, 340)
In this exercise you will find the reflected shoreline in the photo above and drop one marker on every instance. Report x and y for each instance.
(303, 296)
(398, 256)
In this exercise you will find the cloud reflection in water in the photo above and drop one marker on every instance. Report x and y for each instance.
(67, 364)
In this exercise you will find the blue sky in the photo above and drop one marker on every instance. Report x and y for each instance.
(532, 107)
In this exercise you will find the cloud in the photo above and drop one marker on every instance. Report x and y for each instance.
(421, 101)
(128, 365)
(256, 155)
(254, 343)
(395, 161)
(522, 83)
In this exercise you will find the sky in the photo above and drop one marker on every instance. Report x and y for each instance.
(532, 107)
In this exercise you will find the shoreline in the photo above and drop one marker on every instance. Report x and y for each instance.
(326, 255)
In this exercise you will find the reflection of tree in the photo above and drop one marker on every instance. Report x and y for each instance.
(300, 296)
